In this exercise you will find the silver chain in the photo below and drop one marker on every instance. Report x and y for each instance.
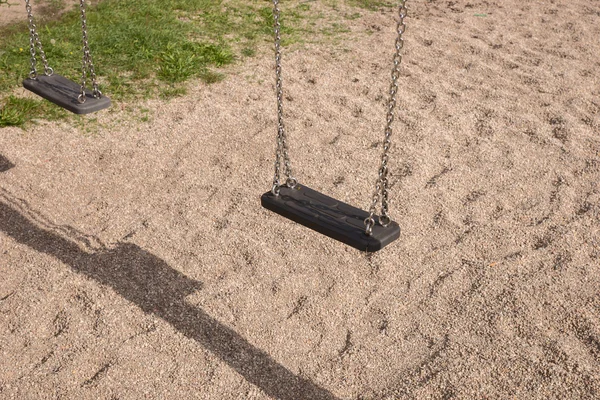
(382, 184)
(34, 40)
(87, 63)
(281, 154)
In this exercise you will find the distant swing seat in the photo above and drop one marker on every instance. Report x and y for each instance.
(59, 90)
(65, 93)
(330, 217)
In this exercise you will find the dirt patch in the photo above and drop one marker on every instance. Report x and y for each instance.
(14, 11)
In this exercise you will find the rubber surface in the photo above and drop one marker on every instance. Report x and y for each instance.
(64, 93)
(330, 217)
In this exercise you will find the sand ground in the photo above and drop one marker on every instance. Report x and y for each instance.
(14, 10)
(136, 261)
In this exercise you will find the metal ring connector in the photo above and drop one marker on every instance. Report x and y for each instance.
(81, 98)
(48, 71)
(369, 223)
(385, 221)
(275, 190)
(291, 182)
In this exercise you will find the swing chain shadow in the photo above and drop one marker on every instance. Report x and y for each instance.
(156, 288)
(5, 164)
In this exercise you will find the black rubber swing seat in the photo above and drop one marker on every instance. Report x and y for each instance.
(64, 93)
(330, 217)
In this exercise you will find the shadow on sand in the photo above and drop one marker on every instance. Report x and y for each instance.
(156, 288)
(5, 165)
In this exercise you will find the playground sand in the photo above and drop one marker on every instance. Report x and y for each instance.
(136, 260)
(14, 10)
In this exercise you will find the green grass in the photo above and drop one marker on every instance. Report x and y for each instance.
(172, 91)
(371, 4)
(19, 111)
(151, 48)
(143, 40)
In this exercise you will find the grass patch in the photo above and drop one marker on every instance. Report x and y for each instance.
(170, 92)
(16, 111)
(248, 52)
(150, 48)
(371, 5)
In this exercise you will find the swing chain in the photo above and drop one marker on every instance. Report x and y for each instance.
(281, 154)
(87, 63)
(34, 40)
(382, 184)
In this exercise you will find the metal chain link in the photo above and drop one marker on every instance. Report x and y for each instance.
(281, 154)
(34, 40)
(87, 63)
(382, 184)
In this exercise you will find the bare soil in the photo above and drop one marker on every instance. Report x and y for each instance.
(15, 11)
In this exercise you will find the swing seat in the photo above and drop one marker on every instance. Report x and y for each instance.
(330, 217)
(64, 93)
